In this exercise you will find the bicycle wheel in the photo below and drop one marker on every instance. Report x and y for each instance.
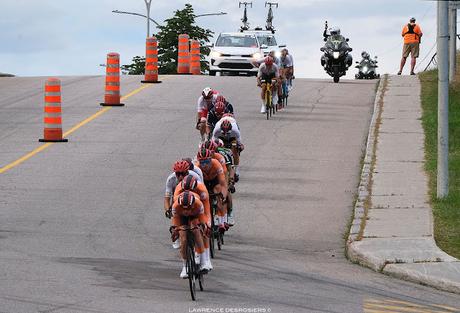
(201, 281)
(212, 238)
(191, 266)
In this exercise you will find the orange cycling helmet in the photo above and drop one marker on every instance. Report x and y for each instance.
(226, 126)
(186, 199)
(189, 183)
(204, 154)
(181, 166)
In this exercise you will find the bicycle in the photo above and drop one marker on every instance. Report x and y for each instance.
(269, 107)
(216, 235)
(285, 92)
(193, 270)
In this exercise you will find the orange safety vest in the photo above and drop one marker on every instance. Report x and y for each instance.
(411, 37)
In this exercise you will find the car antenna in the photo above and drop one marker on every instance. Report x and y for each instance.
(269, 25)
(245, 15)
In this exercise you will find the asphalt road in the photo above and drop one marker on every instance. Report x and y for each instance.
(81, 223)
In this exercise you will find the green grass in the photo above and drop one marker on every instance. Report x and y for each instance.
(446, 211)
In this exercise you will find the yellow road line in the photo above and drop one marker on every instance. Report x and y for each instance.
(86, 121)
(401, 308)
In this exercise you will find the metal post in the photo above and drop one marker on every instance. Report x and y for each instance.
(452, 43)
(147, 3)
(443, 100)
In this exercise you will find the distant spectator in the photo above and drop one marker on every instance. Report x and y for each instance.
(412, 35)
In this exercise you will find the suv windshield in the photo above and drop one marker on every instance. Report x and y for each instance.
(236, 41)
(267, 40)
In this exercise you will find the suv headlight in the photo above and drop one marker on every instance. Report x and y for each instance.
(278, 54)
(257, 55)
(215, 54)
(336, 54)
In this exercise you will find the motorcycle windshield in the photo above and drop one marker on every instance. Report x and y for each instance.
(337, 42)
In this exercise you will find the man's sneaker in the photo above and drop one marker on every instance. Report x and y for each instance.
(399, 73)
(262, 109)
(176, 244)
(412, 73)
(183, 273)
(230, 220)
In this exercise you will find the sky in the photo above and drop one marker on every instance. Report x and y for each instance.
(64, 37)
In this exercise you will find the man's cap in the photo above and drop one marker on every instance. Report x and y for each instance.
(412, 19)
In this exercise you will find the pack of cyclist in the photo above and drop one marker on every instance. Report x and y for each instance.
(210, 176)
(276, 70)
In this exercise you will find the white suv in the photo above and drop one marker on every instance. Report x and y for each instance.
(266, 40)
(235, 52)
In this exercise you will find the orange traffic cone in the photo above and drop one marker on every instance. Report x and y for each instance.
(183, 55)
(195, 57)
(151, 61)
(112, 81)
(53, 120)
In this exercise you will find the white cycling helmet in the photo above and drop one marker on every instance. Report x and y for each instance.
(207, 92)
(334, 31)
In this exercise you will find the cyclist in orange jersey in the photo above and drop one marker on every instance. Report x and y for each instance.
(215, 182)
(189, 210)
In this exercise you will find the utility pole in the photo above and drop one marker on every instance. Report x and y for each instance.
(147, 4)
(443, 99)
(452, 40)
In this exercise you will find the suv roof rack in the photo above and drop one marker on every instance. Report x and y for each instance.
(269, 25)
(245, 25)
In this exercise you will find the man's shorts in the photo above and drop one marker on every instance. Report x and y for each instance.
(413, 48)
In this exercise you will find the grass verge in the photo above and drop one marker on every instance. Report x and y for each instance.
(446, 211)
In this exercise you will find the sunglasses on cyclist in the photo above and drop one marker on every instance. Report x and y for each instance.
(183, 174)
(205, 161)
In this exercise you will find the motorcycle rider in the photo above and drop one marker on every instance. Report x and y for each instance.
(334, 35)
(369, 63)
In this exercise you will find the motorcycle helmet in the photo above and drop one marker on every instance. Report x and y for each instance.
(334, 31)
(365, 55)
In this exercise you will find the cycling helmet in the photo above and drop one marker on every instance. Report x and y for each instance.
(226, 126)
(268, 61)
(365, 55)
(334, 31)
(210, 145)
(204, 154)
(207, 93)
(181, 166)
(189, 183)
(186, 199)
(221, 98)
(190, 163)
(219, 142)
(219, 107)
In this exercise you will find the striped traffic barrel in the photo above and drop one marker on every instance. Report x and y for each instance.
(183, 55)
(112, 81)
(195, 57)
(53, 119)
(151, 61)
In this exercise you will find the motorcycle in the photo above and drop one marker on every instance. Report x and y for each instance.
(336, 59)
(367, 69)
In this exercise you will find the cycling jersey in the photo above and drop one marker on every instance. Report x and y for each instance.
(227, 153)
(213, 118)
(265, 71)
(234, 133)
(199, 172)
(287, 61)
(203, 105)
(172, 182)
(202, 192)
(194, 215)
(211, 170)
(219, 157)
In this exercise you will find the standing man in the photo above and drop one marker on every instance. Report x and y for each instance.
(412, 35)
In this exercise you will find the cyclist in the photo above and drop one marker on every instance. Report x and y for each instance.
(227, 130)
(190, 183)
(205, 103)
(194, 168)
(287, 66)
(268, 71)
(181, 169)
(189, 210)
(216, 113)
(214, 180)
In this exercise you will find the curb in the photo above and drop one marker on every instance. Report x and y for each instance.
(408, 269)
